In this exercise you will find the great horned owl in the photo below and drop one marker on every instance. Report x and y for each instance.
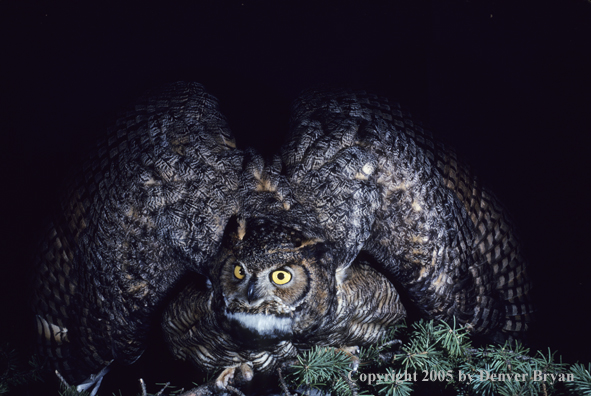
(302, 249)
(274, 292)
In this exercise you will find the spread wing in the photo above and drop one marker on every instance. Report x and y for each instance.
(149, 207)
(378, 183)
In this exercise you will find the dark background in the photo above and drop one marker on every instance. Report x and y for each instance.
(507, 83)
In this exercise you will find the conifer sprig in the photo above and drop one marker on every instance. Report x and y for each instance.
(440, 355)
(433, 356)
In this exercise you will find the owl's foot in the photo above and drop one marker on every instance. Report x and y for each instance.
(228, 375)
(352, 352)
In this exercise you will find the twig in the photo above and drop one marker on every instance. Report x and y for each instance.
(474, 351)
(352, 386)
(162, 390)
(544, 389)
(62, 379)
(392, 342)
(201, 390)
(143, 385)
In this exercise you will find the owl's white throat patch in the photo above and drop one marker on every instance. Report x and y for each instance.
(263, 324)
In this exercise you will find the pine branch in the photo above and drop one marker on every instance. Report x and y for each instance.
(440, 355)
(582, 379)
(320, 366)
(14, 371)
(427, 355)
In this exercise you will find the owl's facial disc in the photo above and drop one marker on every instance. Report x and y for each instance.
(277, 287)
(256, 288)
(269, 277)
(254, 307)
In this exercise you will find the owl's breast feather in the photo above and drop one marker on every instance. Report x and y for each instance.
(257, 331)
(263, 324)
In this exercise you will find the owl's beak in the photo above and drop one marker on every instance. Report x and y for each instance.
(252, 294)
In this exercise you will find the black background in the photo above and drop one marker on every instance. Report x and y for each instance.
(507, 83)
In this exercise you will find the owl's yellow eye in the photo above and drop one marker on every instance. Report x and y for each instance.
(239, 272)
(280, 277)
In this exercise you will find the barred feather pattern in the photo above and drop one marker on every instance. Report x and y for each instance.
(150, 206)
(311, 247)
(359, 312)
(443, 236)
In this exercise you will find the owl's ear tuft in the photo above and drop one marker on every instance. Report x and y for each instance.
(313, 247)
(308, 242)
(241, 228)
(235, 230)
(319, 251)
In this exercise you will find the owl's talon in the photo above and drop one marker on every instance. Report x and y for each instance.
(354, 363)
(246, 371)
(228, 375)
(222, 381)
(352, 352)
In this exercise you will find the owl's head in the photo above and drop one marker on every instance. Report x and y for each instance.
(272, 281)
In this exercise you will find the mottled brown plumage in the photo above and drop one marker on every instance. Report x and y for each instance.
(360, 198)
(249, 316)
(149, 207)
(442, 235)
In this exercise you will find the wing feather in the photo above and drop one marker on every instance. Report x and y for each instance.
(150, 206)
(379, 183)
